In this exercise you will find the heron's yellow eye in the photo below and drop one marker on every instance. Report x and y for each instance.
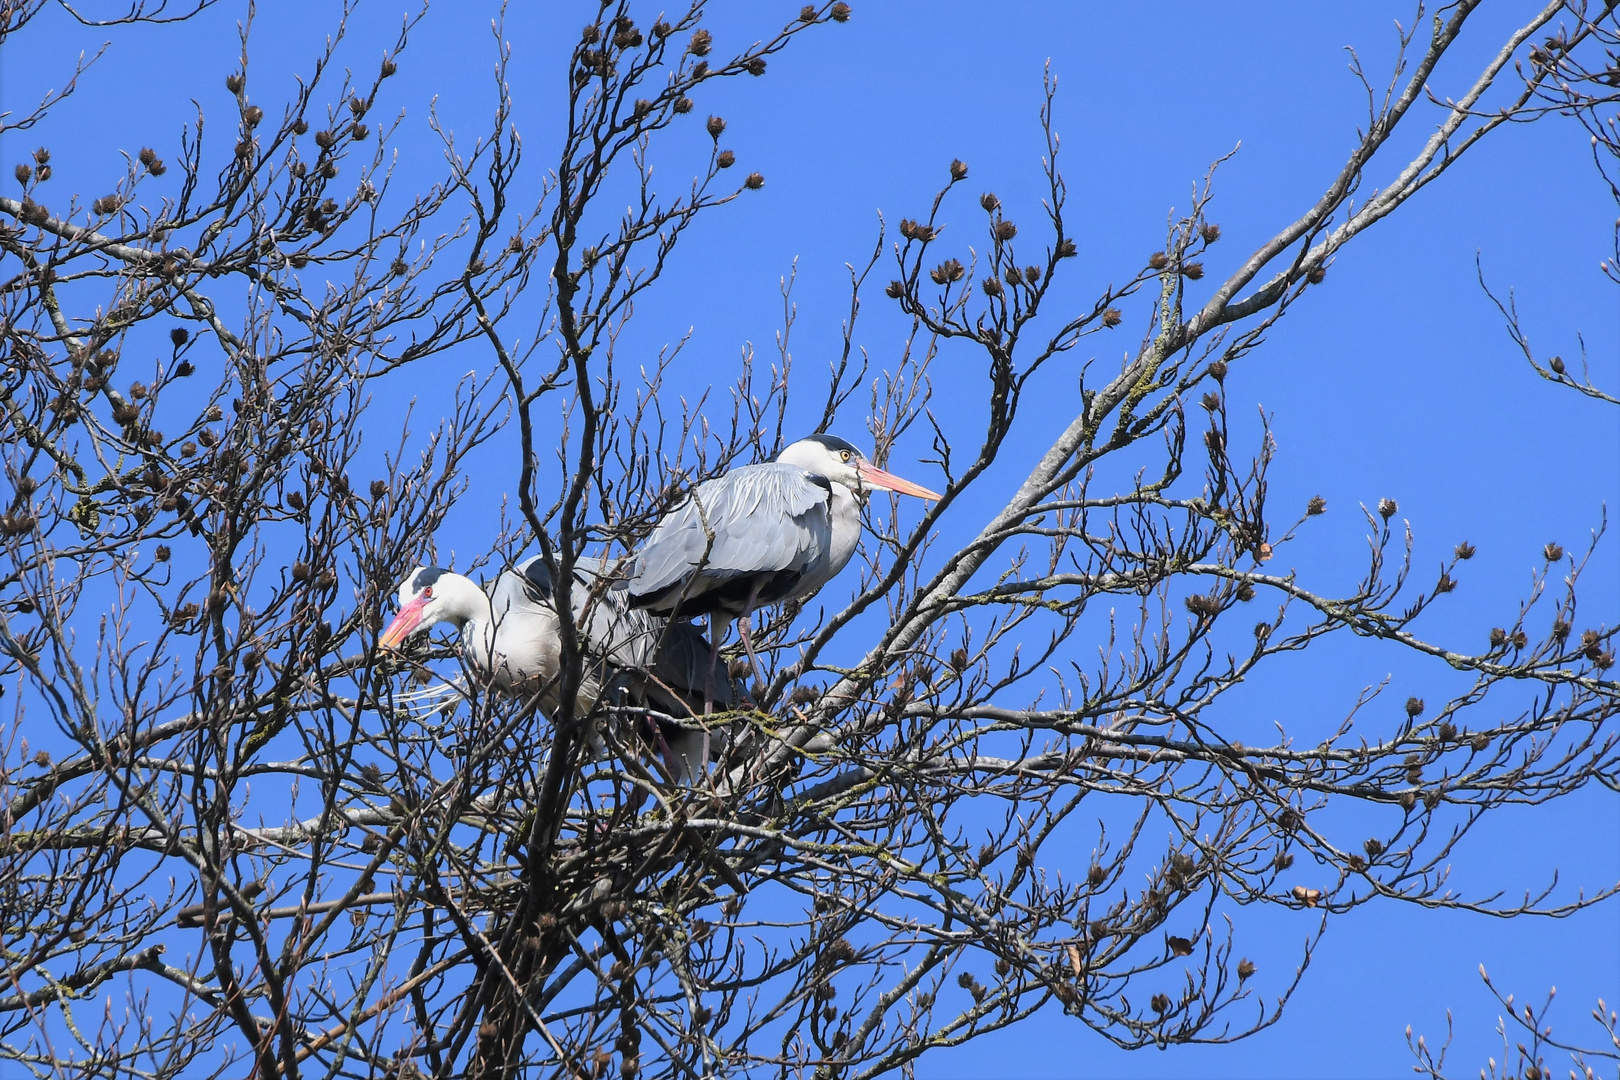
(845, 454)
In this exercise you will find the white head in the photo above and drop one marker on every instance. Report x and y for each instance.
(842, 463)
(430, 595)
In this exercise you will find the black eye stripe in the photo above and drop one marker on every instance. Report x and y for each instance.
(425, 577)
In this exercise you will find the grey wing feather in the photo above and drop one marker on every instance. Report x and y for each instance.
(766, 517)
(676, 656)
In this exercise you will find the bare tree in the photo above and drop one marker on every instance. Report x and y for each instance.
(293, 861)
(1585, 85)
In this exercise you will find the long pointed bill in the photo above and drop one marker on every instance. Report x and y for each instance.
(874, 477)
(409, 617)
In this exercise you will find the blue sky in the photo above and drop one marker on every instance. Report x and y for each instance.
(1394, 378)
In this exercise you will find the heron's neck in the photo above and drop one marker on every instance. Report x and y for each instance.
(845, 513)
(468, 609)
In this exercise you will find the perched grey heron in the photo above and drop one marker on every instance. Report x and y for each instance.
(760, 534)
(511, 636)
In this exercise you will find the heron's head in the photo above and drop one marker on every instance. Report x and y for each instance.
(842, 463)
(429, 595)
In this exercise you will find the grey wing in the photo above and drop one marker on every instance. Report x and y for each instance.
(609, 628)
(670, 662)
(675, 655)
(767, 517)
(613, 630)
(525, 634)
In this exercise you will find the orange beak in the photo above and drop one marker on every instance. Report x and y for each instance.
(874, 477)
(408, 619)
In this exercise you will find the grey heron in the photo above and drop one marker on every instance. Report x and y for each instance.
(760, 534)
(511, 637)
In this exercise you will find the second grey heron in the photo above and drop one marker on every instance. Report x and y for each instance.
(511, 636)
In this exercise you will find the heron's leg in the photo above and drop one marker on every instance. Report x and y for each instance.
(745, 625)
(664, 751)
(715, 626)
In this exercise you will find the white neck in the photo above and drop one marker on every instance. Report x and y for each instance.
(462, 604)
